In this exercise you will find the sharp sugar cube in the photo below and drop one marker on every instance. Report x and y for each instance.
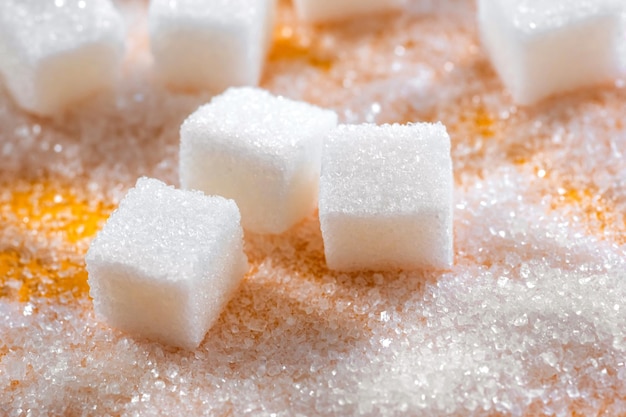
(210, 44)
(386, 196)
(318, 11)
(55, 53)
(541, 48)
(261, 150)
(166, 263)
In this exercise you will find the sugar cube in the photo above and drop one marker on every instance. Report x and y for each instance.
(318, 11)
(260, 150)
(386, 197)
(211, 44)
(55, 53)
(541, 48)
(166, 263)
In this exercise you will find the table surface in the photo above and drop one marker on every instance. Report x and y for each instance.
(531, 320)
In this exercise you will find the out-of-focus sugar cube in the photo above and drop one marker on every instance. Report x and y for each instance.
(54, 53)
(210, 44)
(260, 150)
(544, 47)
(166, 263)
(318, 11)
(386, 195)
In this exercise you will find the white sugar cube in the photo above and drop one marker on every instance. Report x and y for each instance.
(318, 11)
(211, 44)
(544, 47)
(260, 150)
(166, 263)
(55, 53)
(386, 197)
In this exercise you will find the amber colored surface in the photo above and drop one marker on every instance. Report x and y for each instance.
(596, 212)
(289, 44)
(58, 218)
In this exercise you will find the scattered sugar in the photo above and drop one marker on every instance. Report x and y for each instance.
(531, 320)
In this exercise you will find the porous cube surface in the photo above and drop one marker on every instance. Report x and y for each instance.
(54, 53)
(166, 263)
(318, 11)
(541, 48)
(210, 44)
(261, 150)
(386, 197)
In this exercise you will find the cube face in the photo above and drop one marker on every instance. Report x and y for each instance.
(260, 150)
(318, 11)
(130, 300)
(354, 243)
(61, 81)
(261, 188)
(540, 49)
(53, 54)
(212, 44)
(166, 263)
(386, 197)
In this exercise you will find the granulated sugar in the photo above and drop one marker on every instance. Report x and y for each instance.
(531, 320)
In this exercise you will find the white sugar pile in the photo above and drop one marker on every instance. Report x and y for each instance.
(530, 321)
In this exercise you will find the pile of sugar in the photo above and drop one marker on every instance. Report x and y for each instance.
(530, 321)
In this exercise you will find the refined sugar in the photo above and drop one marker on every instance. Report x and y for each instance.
(317, 11)
(166, 262)
(212, 44)
(260, 150)
(386, 197)
(541, 48)
(55, 53)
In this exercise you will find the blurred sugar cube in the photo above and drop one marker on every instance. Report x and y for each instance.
(210, 44)
(55, 53)
(544, 47)
(166, 263)
(260, 150)
(386, 195)
(318, 11)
